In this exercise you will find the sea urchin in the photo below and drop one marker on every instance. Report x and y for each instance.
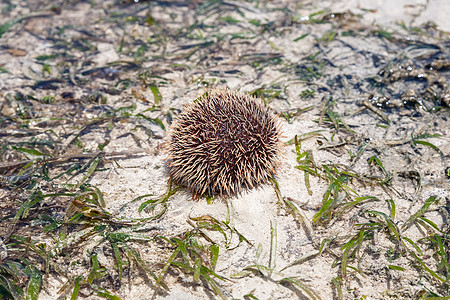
(223, 142)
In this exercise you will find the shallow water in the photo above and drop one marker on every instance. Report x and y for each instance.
(357, 87)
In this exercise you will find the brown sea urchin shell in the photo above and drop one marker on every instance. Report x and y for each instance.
(223, 142)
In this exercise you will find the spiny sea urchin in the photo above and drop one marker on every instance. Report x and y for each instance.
(223, 142)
